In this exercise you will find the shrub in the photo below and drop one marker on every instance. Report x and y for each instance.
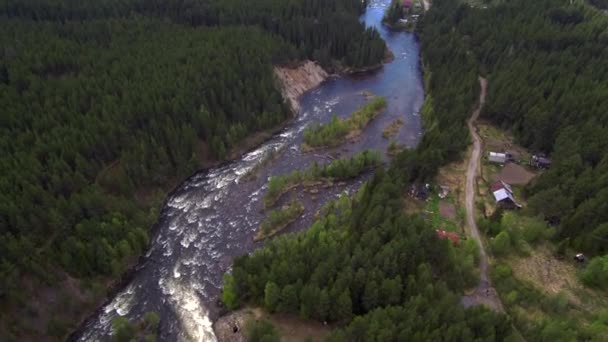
(596, 273)
(501, 245)
(261, 331)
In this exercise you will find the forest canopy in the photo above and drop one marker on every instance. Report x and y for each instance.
(103, 102)
(548, 84)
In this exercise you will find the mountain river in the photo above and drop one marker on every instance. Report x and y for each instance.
(213, 216)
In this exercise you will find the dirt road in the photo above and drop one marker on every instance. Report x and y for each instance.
(484, 293)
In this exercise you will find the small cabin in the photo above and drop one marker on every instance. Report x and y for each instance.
(540, 161)
(503, 194)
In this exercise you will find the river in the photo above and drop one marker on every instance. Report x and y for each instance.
(212, 217)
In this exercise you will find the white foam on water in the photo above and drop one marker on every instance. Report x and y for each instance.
(192, 314)
(189, 237)
(168, 250)
(179, 202)
(205, 203)
(173, 225)
(192, 216)
(176, 272)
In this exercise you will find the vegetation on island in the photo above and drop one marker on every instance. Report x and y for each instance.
(144, 330)
(106, 105)
(276, 220)
(340, 169)
(392, 129)
(337, 130)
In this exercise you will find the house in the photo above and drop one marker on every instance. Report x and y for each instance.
(499, 158)
(540, 161)
(580, 257)
(503, 194)
(443, 235)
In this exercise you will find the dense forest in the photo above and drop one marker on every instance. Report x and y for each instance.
(376, 272)
(548, 80)
(104, 100)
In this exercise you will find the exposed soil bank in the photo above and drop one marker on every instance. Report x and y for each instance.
(296, 81)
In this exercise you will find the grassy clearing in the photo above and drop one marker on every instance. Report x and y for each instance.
(392, 129)
(431, 209)
(545, 298)
(337, 130)
(278, 219)
(542, 292)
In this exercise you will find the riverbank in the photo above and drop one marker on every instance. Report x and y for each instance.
(290, 327)
(294, 81)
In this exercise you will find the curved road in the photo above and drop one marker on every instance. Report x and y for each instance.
(484, 292)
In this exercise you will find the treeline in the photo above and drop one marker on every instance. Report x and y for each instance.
(328, 31)
(548, 85)
(340, 169)
(104, 100)
(333, 133)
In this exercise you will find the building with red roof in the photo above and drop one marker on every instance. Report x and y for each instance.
(442, 234)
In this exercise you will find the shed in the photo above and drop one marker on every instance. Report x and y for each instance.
(495, 157)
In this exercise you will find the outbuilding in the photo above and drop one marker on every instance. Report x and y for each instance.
(444, 235)
(500, 158)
